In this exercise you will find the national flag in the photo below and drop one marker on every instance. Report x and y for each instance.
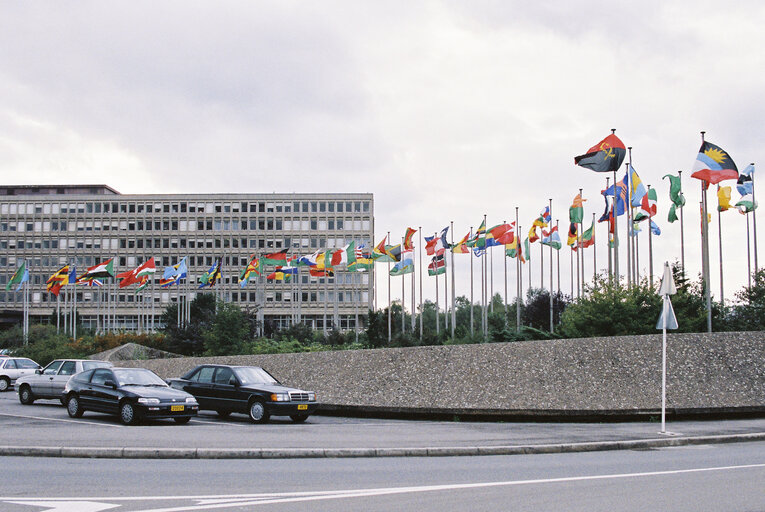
(179, 270)
(655, 229)
(511, 249)
(576, 210)
(675, 190)
(435, 243)
(573, 234)
(378, 253)
(362, 260)
(621, 195)
(638, 189)
(19, 277)
(253, 267)
(588, 236)
(672, 215)
(405, 265)
(89, 281)
(321, 272)
(408, 243)
(478, 238)
(58, 280)
(551, 238)
(212, 275)
(137, 274)
(647, 206)
(723, 198)
(105, 269)
(744, 185)
(283, 273)
(746, 204)
(437, 264)
(533, 236)
(275, 258)
(527, 252)
(500, 234)
(143, 284)
(606, 212)
(605, 156)
(461, 247)
(72, 274)
(713, 165)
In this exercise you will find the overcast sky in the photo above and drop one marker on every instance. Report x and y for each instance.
(446, 111)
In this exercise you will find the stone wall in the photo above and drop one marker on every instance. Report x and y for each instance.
(705, 372)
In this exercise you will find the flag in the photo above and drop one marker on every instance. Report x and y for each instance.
(655, 229)
(675, 190)
(478, 239)
(137, 274)
(588, 237)
(378, 253)
(253, 267)
(276, 258)
(605, 156)
(362, 260)
(58, 280)
(606, 212)
(573, 234)
(282, 273)
(533, 236)
(621, 195)
(405, 265)
(527, 246)
(744, 184)
(500, 234)
(672, 216)
(408, 244)
(321, 272)
(461, 247)
(746, 204)
(89, 281)
(105, 269)
(511, 249)
(436, 243)
(173, 274)
(713, 165)
(551, 238)
(143, 284)
(387, 253)
(437, 264)
(212, 275)
(723, 198)
(19, 277)
(576, 210)
(638, 189)
(647, 206)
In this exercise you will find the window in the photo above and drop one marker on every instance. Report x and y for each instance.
(52, 368)
(225, 376)
(204, 374)
(67, 368)
(101, 376)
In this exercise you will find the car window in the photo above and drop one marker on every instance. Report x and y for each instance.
(26, 364)
(254, 375)
(89, 365)
(10, 364)
(67, 368)
(101, 376)
(225, 376)
(84, 376)
(52, 368)
(204, 375)
(137, 377)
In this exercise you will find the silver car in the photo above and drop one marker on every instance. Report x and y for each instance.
(11, 368)
(50, 381)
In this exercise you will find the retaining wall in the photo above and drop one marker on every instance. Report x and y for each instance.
(593, 376)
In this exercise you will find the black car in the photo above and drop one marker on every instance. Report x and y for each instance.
(245, 389)
(133, 394)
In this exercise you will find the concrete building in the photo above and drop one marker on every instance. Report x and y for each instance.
(49, 226)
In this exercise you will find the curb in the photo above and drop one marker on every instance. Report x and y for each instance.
(343, 453)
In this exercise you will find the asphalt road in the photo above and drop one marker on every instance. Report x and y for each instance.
(727, 477)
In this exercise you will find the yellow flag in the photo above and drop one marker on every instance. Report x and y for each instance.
(723, 198)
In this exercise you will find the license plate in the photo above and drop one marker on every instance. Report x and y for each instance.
(175, 408)
(302, 407)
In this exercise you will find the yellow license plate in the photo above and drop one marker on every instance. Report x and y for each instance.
(175, 408)
(302, 407)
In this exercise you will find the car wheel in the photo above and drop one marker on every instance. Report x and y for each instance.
(224, 414)
(299, 418)
(25, 395)
(258, 412)
(128, 414)
(73, 407)
(5, 383)
(182, 421)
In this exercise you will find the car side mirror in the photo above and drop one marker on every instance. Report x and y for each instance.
(38, 371)
(110, 384)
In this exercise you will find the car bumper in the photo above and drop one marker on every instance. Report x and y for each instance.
(291, 408)
(164, 411)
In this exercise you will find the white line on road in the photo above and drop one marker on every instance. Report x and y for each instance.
(239, 500)
(62, 420)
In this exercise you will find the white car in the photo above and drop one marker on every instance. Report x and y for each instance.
(51, 380)
(11, 368)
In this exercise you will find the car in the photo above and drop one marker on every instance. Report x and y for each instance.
(133, 394)
(49, 382)
(11, 368)
(249, 390)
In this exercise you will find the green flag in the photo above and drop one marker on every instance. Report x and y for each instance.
(675, 190)
(19, 277)
(672, 217)
(528, 249)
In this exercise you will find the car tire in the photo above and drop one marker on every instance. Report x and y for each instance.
(299, 418)
(224, 414)
(26, 396)
(128, 414)
(258, 412)
(74, 407)
(5, 383)
(183, 420)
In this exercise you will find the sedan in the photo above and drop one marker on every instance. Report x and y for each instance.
(133, 394)
(50, 381)
(245, 389)
(11, 368)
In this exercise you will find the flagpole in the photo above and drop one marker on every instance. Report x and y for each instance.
(682, 226)
(504, 260)
(705, 250)
(616, 229)
(754, 223)
(608, 243)
(446, 295)
(470, 254)
(552, 326)
(580, 256)
(74, 317)
(420, 269)
(518, 272)
(403, 303)
(438, 309)
(454, 313)
(413, 318)
(58, 308)
(636, 259)
(594, 252)
(571, 272)
(387, 238)
(485, 318)
(719, 241)
(490, 288)
(748, 254)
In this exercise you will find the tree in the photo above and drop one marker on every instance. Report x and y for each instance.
(536, 312)
(229, 332)
(749, 314)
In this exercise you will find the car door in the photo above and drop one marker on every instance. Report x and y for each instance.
(226, 390)
(40, 385)
(58, 382)
(200, 385)
(25, 366)
(100, 396)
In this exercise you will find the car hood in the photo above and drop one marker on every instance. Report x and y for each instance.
(156, 392)
(269, 388)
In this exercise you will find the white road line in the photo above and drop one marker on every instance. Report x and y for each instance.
(62, 420)
(228, 501)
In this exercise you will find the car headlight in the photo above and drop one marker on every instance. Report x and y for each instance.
(149, 401)
(280, 397)
(311, 396)
(191, 400)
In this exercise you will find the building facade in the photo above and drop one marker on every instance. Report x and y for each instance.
(50, 226)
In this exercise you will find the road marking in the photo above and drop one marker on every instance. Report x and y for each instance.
(68, 506)
(61, 419)
(240, 500)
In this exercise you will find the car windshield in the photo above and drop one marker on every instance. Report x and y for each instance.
(89, 365)
(254, 375)
(26, 364)
(137, 377)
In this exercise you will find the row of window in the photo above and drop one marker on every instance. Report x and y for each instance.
(186, 207)
(346, 321)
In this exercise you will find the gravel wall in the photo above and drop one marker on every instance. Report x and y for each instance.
(717, 371)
